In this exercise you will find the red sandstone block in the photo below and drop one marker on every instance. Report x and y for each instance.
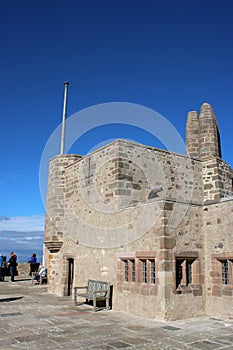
(164, 255)
(167, 243)
(140, 254)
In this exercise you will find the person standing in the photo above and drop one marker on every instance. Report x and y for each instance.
(33, 263)
(4, 268)
(0, 267)
(12, 265)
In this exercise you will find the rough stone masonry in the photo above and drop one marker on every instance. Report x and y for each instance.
(155, 224)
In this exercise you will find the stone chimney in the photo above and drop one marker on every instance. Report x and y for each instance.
(192, 134)
(202, 134)
(209, 133)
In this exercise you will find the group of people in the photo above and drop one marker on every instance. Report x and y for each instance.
(11, 264)
(10, 268)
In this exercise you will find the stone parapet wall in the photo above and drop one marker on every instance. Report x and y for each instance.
(217, 180)
(123, 174)
(23, 269)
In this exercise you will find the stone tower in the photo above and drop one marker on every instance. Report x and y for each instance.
(202, 134)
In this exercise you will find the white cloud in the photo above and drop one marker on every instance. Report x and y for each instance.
(23, 223)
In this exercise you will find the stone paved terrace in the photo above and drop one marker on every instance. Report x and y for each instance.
(33, 319)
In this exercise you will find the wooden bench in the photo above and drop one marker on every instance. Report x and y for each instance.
(95, 291)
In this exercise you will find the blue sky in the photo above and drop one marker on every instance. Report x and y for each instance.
(170, 56)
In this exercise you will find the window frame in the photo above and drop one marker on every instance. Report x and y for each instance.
(135, 284)
(184, 271)
(129, 270)
(139, 270)
(190, 278)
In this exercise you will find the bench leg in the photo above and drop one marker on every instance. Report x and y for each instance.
(107, 304)
(33, 275)
(94, 304)
(75, 298)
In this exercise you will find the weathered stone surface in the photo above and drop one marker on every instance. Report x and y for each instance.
(163, 254)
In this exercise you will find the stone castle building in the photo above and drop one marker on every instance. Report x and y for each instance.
(157, 225)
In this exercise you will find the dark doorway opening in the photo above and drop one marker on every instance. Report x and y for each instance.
(70, 276)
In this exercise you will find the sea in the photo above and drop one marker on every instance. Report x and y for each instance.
(23, 244)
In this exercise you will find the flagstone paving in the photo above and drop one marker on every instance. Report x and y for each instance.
(31, 318)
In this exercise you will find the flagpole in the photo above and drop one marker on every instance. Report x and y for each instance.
(64, 118)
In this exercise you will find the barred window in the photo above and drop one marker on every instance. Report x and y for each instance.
(139, 270)
(126, 270)
(133, 271)
(148, 271)
(152, 271)
(144, 271)
(227, 271)
(129, 270)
